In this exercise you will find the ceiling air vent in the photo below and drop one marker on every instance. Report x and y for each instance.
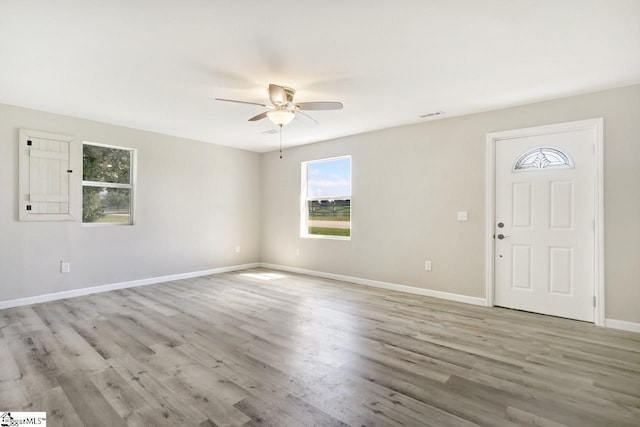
(435, 114)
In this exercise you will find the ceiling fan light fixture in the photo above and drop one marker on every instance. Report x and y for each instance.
(281, 117)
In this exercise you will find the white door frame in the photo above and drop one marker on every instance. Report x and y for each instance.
(492, 138)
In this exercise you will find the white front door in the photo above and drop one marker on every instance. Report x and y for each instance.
(544, 223)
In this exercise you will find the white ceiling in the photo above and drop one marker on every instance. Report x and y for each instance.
(158, 64)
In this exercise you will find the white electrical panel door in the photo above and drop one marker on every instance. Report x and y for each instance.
(45, 176)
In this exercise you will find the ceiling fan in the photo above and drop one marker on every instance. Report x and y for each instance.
(283, 109)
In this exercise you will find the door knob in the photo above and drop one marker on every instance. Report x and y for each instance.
(502, 236)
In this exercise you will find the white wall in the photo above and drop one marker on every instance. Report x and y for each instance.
(408, 183)
(195, 202)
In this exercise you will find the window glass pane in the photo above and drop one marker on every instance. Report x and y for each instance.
(106, 205)
(543, 158)
(327, 201)
(330, 178)
(104, 164)
(329, 217)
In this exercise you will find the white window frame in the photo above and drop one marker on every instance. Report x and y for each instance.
(304, 199)
(131, 186)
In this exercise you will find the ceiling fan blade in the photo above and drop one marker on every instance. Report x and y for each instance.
(277, 95)
(240, 102)
(258, 117)
(319, 106)
(307, 116)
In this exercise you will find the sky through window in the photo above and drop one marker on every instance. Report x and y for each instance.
(329, 178)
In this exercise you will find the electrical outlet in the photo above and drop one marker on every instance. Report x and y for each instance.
(427, 265)
(298, 251)
(65, 267)
(237, 249)
(462, 215)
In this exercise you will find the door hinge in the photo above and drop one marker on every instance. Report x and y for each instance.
(29, 142)
(594, 300)
(28, 207)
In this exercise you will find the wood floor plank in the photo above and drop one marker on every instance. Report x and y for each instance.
(21, 321)
(36, 365)
(89, 403)
(201, 380)
(242, 373)
(265, 415)
(524, 418)
(70, 351)
(338, 392)
(100, 342)
(214, 405)
(14, 394)
(433, 393)
(261, 347)
(122, 338)
(298, 409)
(9, 370)
(59, 410)
(166, 406)
(124, 399)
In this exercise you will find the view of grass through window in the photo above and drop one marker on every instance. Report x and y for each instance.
(330, 217)
(106, 184)
(328, 197)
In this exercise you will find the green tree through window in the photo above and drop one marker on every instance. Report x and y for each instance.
(107, 184)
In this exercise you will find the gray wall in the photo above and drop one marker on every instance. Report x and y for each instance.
(408, 183)
(195, 203)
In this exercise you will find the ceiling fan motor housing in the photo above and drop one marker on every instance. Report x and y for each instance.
(281, 96)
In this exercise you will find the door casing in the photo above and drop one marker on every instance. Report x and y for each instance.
(598, 208)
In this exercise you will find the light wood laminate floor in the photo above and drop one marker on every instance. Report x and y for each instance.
(261, 347)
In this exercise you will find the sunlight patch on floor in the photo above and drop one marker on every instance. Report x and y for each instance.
(264, 276)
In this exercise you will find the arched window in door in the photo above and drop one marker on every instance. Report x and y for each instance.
(543, 158)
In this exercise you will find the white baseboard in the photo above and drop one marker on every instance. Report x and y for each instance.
(622, 324)
(384, 285)
(122, 285)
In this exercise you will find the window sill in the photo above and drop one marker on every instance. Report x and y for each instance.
(106, 224)
(319, 236)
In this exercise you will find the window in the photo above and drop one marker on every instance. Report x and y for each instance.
(326, 198)
(543, 158)
(107, 184)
